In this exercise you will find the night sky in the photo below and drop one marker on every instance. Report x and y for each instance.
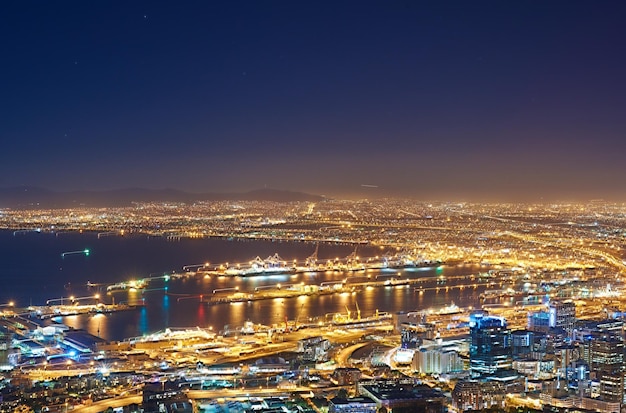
(503, 100)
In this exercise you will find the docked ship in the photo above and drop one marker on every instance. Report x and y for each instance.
(343, 321)
(130, 285)
(271, 265)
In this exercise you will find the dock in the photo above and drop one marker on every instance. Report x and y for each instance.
(45, 312)
(338, 287)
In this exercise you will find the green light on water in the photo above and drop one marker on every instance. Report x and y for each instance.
(86, 251)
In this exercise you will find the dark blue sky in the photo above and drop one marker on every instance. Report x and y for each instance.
(446, 100)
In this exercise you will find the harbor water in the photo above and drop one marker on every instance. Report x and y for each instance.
(34, 270)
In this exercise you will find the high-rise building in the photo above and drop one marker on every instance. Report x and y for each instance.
(562, 315)
(591, 329)
(602, 348)
(607, 359)
(522, 342)
(607, 353)
(436, 359)
(539, 321)
(490, 346)
(476, 395)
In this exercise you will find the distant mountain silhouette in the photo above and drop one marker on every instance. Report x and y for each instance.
(34, 197)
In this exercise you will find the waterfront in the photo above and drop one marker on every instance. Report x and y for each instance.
(34, 261)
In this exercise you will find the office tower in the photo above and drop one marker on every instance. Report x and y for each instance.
(490, 346)
(562, 315)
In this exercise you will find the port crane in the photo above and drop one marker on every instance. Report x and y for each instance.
(311, 261)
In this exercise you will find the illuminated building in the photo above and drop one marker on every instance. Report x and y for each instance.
(313, 349)
(345, 375)
(607, 359)
(534, 368)
(475, 395)
(352, 405)
(562, 315)
(412, 335)
(602, 348)
(400, 397)
(594, 329)
(413, 328)
(165, 397)
(522, 343)
(539, 321)
(437, 360)
(269, 365)
(490, 346)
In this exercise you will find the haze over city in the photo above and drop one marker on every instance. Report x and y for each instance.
(346, 206)
(431, 100)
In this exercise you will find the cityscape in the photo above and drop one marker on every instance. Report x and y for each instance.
(312, 207)
(537, 325)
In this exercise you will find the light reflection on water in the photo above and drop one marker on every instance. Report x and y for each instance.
(115, 259)
(184, 309)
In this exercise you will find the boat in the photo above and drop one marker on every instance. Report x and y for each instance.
(130, 285)
(271, 265)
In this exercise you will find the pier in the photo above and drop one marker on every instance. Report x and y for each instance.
(276, 265)
(45, 312)
(331, 287)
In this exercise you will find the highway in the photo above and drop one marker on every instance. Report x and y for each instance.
(342, 356)
(102, 405)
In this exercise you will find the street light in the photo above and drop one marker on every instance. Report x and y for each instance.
(53, 300)
(188, 267)
(225, 289)
(87, 297)
(191, 296)
(263, 287)
(9, 304)
(73, 299)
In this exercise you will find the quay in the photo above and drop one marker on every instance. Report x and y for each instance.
(226, 296)
(45, 312)
(275, 264)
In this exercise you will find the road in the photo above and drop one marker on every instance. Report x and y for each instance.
(343, 356)
(102, 405)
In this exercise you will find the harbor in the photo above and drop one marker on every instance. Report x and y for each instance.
(54, 311)
(164, 291)
(275, 264)
(345, 286)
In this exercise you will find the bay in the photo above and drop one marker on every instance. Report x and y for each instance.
(33, 271)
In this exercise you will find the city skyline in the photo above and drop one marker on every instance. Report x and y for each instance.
(451, 101)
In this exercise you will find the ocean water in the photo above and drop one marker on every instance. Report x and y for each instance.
(33, 271)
